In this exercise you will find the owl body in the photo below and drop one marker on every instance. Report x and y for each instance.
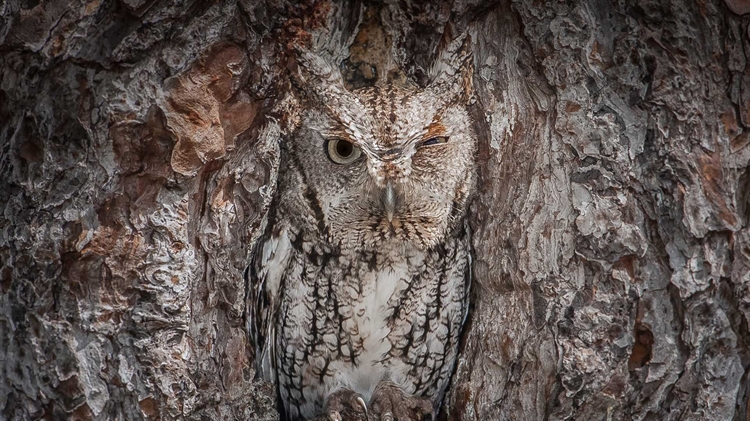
(363, 273)
(354, 319)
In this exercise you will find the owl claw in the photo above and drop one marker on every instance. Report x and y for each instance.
(345, 404)
(364, 406)
(391, 403)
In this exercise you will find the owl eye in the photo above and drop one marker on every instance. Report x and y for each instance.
(434, 141)
(342, 152)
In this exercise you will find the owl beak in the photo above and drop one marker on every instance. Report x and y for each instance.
(389, 201)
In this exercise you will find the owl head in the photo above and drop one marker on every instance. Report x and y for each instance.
(385, 164)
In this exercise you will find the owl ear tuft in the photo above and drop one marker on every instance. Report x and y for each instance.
(316, 74)
(452, 71)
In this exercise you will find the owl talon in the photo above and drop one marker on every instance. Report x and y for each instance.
(364, 405)
(390, 403)
(345, 404)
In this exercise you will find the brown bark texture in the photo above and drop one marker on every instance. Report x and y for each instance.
(139, 152)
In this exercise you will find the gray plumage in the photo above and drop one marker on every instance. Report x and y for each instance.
(361, 279)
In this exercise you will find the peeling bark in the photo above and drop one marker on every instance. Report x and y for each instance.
(138, 154)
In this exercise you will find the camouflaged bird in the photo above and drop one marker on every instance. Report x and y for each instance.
(360, 282)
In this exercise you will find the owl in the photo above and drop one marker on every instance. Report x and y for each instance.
(359, 285)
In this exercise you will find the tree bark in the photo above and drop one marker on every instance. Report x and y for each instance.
(139, 152)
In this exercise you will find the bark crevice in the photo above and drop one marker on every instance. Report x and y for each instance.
(139, 147)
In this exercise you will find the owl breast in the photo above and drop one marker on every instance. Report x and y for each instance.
(354, 319)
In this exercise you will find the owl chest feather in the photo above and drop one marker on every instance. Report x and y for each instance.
(369, 326)
(351, 320)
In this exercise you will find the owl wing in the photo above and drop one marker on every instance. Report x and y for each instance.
(265, 284)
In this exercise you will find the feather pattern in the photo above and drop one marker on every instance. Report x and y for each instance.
(362, 275)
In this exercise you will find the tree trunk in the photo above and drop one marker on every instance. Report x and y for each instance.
(139, 152)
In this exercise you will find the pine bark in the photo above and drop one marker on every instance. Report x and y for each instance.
(138, 154)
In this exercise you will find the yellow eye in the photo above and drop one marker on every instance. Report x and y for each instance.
(342, 152)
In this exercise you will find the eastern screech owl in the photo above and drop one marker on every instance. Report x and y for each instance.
(359, 286)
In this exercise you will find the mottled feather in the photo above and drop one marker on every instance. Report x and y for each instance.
(361, 280)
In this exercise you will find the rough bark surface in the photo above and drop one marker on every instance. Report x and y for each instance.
(138, 153)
